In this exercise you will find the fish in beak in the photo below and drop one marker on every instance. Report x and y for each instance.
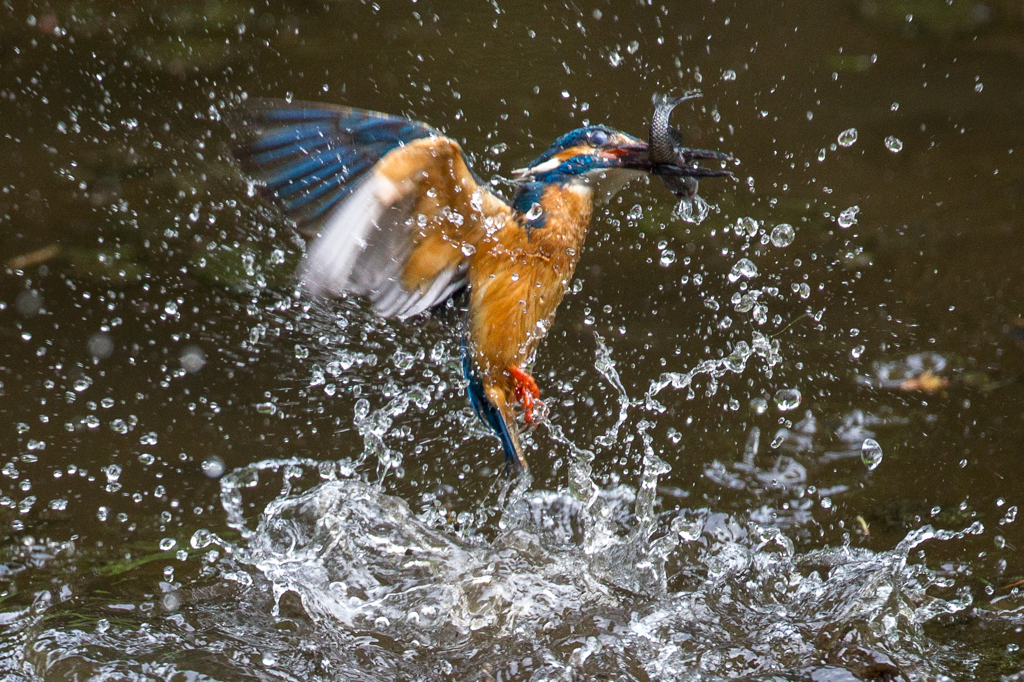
(670, 159)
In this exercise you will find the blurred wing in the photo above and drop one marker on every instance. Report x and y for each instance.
(393, 205)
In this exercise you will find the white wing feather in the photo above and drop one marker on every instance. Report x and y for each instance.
(362, 249)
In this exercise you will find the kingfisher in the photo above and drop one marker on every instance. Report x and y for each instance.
(394, 213)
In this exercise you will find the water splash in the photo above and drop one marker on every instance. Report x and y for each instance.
(692, 210)
(605, 366)
(693, 594)
(735, 362)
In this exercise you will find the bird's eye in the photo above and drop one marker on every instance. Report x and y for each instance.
(598, 138)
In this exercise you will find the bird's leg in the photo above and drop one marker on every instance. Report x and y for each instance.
(526, 391)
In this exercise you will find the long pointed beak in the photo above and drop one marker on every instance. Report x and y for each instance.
(632, 156)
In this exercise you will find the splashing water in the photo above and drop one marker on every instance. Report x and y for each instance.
(330, 577)
(735, 362)
(692, 209)
(691, 594)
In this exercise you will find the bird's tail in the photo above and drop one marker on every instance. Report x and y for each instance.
(495, 411)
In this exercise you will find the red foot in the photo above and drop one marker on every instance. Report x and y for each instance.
(526, 391)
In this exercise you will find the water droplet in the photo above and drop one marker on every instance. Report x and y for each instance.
(728, 75)
(856, 352)
(848, 217)
(744, 268)
(28, 303)
(171, 601)
(847, 137)
(759, 406)
(747, 225)
(894, 144)
(535, 212)
(894, 106)
(168, 544)
(171, 308)
(213, 466)
(193, 359)
(201, 538)
(668, 257)
(100, 346)
(979, 87)
(266, 408)
(146, 458)
(633, 47)
(82, 383)
(783, 235)
(871, 453)
(787, 399)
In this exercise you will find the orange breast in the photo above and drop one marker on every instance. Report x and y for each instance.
(518, 279)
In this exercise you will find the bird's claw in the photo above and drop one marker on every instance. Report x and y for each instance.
(526, 392)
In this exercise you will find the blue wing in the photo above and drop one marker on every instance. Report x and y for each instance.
(391, 204)
(311, 156)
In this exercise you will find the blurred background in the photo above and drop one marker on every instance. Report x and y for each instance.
(830, 348)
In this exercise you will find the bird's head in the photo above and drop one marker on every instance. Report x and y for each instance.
(605, 159)
(595, 155)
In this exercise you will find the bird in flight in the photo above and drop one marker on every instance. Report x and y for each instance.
(394, 213)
